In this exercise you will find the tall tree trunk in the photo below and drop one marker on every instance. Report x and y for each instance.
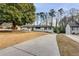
(37, 22)
(56, 23)
(37, 18)
(51, 22)
(13, 25)
(46, 22)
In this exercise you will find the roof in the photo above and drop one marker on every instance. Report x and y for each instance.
(35, 26)
(74, 24)
(6, 24)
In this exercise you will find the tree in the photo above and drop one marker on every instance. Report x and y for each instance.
(37, 17)
(52, 14)
(61, 11)
(42, 16)
(46, 19)
(17, 13)
(77, 18)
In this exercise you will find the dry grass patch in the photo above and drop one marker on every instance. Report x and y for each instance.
(67, 46)
(12, 38)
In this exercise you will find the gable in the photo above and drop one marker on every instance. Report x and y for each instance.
(74, 24)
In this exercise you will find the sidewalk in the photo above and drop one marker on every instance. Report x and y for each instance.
(42, 46)
(73, 37)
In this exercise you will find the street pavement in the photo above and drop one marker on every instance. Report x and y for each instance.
(42, 46)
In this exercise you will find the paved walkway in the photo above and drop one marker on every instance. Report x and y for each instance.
(74, 37)
(43, 46)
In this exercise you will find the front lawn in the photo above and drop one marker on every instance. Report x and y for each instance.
(67, 46)
(12, 38)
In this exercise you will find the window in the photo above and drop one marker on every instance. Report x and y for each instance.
(72, 28)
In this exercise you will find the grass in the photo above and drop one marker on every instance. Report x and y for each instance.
(11, 38)
(67, 46)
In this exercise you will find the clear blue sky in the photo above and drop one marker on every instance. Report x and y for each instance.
(47, 6)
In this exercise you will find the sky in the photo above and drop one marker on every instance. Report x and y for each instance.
(45, 7)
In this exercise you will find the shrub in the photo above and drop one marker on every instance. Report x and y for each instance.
(56, 30)
(59, 29)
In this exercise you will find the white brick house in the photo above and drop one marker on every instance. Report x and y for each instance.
(72, 28)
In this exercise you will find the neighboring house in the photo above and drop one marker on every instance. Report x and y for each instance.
(6, 25)
(26, 27)
(30, 27)
(72, 28)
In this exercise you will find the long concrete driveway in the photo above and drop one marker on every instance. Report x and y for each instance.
(42, 46)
